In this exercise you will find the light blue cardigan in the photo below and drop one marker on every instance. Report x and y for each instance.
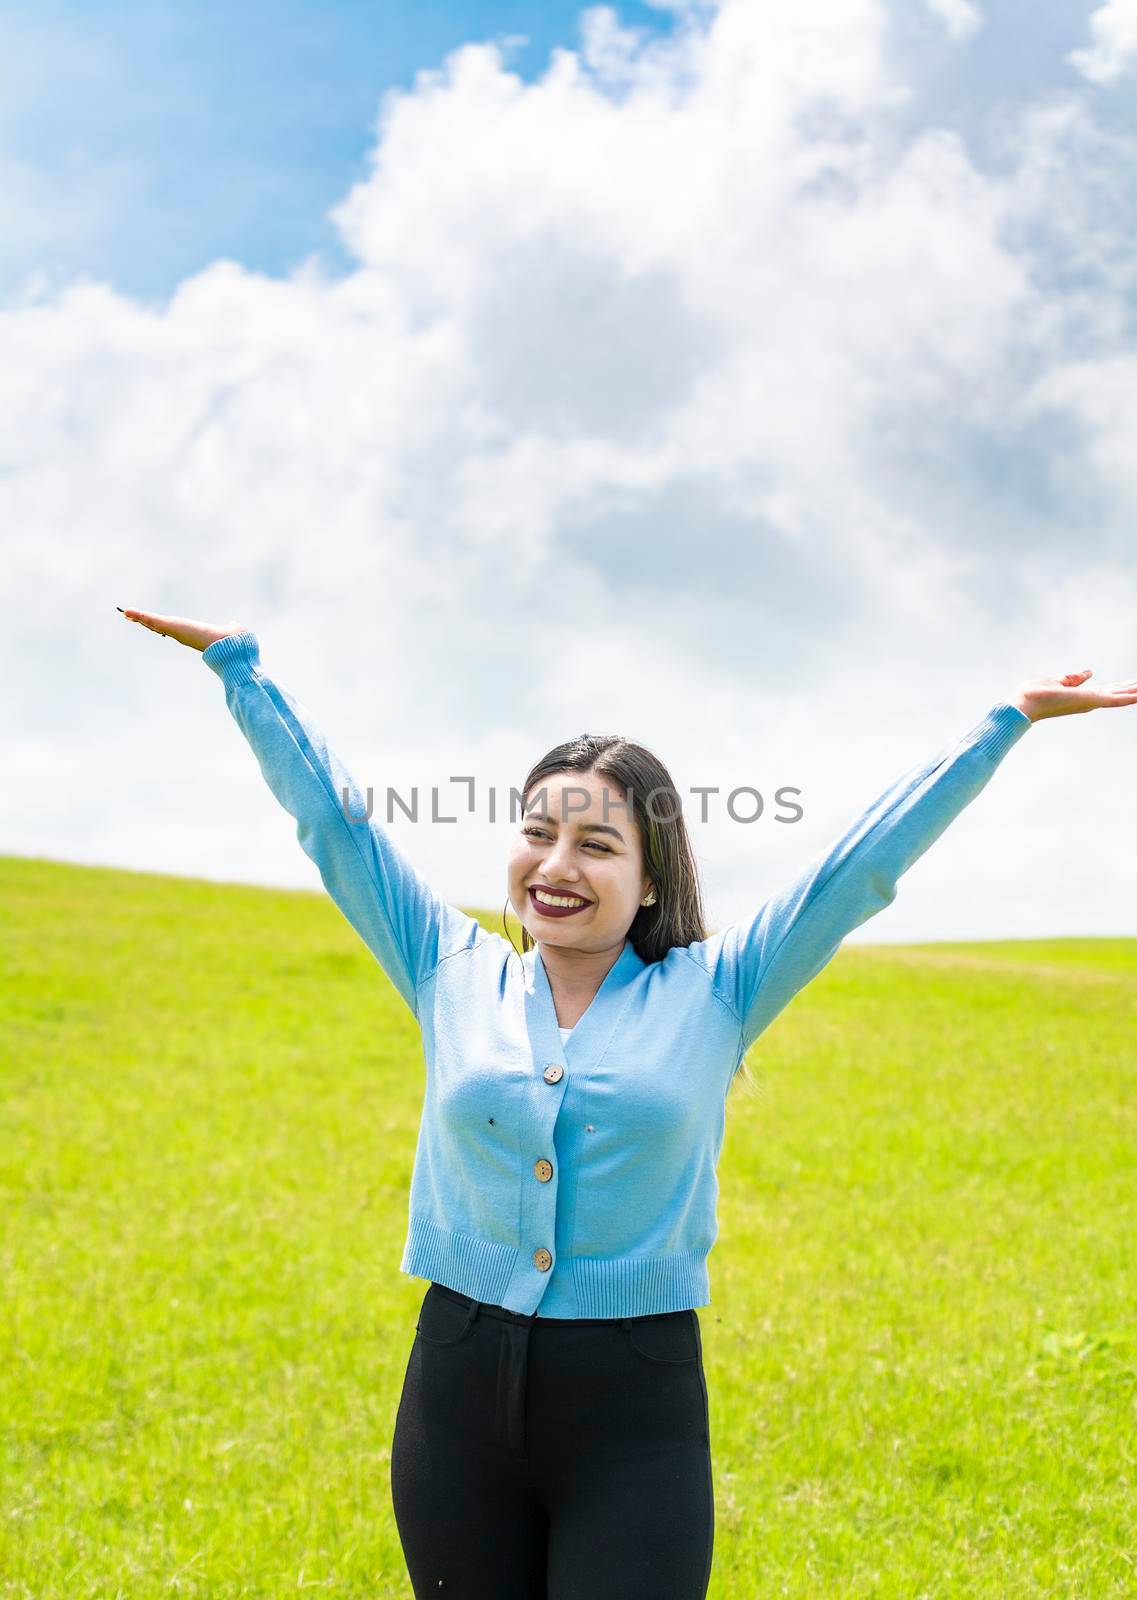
(577, 1179)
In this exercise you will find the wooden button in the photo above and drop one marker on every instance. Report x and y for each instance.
(543, 1169)
(554, 1072)
(542, 1260)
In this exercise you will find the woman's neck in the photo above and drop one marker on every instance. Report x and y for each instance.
(575, 977)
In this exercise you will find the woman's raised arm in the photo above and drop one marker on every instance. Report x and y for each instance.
(407, 927)
(762, 963)
(758, 965)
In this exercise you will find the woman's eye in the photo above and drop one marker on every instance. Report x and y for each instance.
(539, 833)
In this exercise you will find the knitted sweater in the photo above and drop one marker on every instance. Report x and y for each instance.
(572, 1173)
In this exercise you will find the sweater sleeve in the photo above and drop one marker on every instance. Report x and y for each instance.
(758, 965)
(403, 923)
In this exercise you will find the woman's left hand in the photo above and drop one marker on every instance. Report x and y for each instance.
(1059, 697)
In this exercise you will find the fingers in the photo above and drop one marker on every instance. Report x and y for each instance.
(183, 630)
(148, 619)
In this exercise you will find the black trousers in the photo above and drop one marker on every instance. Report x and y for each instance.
(543, 1458)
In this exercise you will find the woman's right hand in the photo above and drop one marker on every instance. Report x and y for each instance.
(197, 635)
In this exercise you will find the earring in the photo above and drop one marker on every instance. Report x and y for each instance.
(650, 898)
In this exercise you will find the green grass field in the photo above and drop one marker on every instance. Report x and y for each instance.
(922, 1347)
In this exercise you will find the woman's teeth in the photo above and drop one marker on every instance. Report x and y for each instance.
(556, 900)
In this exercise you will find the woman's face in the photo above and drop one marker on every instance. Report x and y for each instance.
(578, 840)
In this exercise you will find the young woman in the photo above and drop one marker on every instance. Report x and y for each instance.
(552, 1440)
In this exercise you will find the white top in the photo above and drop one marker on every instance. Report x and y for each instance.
(564, 1032)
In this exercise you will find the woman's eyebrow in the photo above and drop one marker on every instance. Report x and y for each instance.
(582, 827)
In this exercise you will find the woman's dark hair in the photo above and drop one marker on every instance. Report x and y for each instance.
(676, 918)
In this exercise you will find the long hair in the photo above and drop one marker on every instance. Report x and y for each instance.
(677, 917)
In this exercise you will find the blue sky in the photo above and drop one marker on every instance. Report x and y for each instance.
(758, 379)
(174, 133)
(141, 141)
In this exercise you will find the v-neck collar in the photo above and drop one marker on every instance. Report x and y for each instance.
(594, 1028)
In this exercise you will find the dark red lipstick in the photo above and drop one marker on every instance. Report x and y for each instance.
(561, 894)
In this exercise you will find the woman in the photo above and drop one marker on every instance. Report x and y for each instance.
(553, 1433)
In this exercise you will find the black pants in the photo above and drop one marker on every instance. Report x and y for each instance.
(543, 1458)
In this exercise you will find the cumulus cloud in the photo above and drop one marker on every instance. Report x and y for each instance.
(960, 17)
(693, 389)
(1113, 43)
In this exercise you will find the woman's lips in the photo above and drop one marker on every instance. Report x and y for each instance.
(555, 911)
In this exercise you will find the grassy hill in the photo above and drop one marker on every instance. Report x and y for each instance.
(921, 1351)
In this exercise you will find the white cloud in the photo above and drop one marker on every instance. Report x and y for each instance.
(960, 17)
(682, 390)
(1113, 47)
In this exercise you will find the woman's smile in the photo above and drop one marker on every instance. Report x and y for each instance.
(556, 902)
(570, 865)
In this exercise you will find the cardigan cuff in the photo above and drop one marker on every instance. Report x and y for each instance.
(1003, 726)
(235, 658)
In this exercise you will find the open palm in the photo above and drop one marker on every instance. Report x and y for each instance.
(1060, 697)
(197, 635)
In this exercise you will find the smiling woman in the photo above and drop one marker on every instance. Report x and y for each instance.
(603, 855)
(552, 1439)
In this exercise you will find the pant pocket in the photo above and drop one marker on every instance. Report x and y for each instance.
(443, 1321)
(669, 1338)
